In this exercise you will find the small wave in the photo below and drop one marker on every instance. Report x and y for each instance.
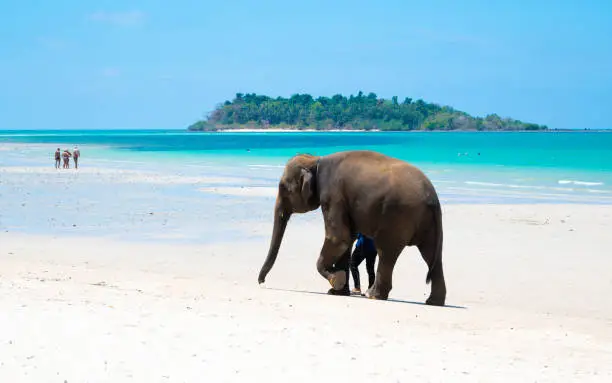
(265, 166)
(583, 183)
(484, 183)
(121, 161)
(199, 166)
(248, 191)
(567, 189)
(514, 186)
(534, 187)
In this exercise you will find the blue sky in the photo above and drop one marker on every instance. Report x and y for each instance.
(148, 64)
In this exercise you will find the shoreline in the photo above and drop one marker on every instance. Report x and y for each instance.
(273, 130)
(164, 205)
(280, 130)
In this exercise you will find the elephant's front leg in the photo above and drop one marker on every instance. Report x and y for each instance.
(333, 265)
(342, 266)
(333, 262)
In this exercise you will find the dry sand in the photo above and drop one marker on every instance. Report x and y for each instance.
(529, 289)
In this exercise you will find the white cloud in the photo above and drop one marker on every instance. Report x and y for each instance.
(127, 18)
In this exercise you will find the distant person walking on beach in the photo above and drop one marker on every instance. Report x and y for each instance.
(58, 158)
(76, 153)
(66, 156)
(364, 249)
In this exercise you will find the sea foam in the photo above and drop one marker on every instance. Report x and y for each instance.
(583, 183)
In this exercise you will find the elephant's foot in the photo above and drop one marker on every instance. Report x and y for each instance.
(343, 291)
(374, 293)
(437, 296)
(435, 301)
(338, 280)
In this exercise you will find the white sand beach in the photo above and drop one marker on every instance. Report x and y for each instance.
(529, 291)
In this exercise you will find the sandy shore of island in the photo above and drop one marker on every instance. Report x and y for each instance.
(280, 130)
(529, 291)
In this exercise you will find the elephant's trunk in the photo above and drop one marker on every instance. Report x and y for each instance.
(281, 217)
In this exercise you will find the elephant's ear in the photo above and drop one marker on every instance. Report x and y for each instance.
(306, 185)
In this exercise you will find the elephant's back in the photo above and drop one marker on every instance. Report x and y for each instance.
(385, 181)
(383, 194)
(413, 185)
(383, 172)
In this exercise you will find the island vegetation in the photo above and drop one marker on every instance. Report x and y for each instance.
(359, 112)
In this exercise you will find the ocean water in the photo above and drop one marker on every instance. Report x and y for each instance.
(499, 166)
(194, 179)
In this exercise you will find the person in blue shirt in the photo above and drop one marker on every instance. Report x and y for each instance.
(364, 249)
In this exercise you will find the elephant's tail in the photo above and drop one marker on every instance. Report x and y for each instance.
(437, 256)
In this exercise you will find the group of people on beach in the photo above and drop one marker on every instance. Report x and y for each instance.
(66, 155)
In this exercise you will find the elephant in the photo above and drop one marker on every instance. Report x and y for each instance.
(362, 191)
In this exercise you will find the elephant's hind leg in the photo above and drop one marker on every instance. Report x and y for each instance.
(428, 250)
(387, 257)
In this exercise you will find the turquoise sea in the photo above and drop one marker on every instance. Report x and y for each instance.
(465, 167)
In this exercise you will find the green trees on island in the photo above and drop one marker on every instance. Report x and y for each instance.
(302, 111)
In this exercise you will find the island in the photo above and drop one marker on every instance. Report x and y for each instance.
(359, 112)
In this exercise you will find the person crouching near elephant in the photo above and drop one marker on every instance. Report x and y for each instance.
(364, 249)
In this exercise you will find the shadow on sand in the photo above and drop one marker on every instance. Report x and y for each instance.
(363, 297)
